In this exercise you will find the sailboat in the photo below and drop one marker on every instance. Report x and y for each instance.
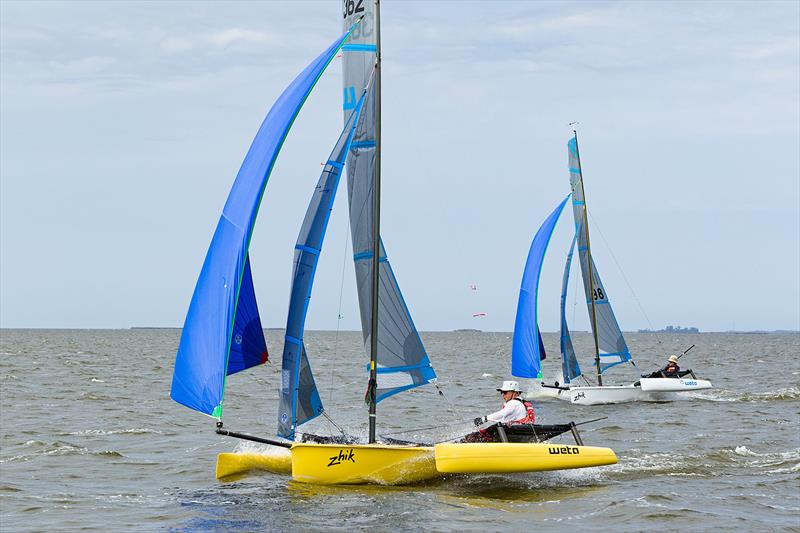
(222, 333)
(609, 342)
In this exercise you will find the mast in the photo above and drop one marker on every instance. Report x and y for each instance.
(589, 262)
(376, 233)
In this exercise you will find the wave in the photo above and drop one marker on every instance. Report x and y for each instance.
(94, 397)
(58, 448)
(102, 432)
(633, 463)
(720, 395)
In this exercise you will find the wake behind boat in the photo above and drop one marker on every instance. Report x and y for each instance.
(222, 333)
(610, 346)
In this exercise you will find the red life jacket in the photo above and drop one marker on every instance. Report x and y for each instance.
(530, 415)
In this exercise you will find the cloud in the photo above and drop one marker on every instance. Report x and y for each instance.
(176, 45)
(234, 35)
(774, 50)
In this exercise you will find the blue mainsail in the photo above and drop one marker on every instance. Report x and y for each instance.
(299, 398)
(526, 348)
(202, 361)
(569, 363)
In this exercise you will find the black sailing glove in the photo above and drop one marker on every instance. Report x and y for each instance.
(480, 420)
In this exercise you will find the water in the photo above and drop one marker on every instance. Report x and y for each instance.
(90, 440)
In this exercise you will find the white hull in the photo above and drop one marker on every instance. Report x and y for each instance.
(613, 394)
(651, 390)
(673, 384)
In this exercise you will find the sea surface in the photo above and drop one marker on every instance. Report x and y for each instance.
(91, 440)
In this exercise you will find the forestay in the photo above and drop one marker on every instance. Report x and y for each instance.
(402, 360)
(527, 350)
(569, 363)
(215, 319)
(299, 399)
(611, 344)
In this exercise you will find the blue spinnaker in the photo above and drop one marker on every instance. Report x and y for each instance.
(201, 364)
(569, 363)
(299, 398)
(525, 350)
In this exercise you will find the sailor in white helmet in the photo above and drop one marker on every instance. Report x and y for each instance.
(514, 411)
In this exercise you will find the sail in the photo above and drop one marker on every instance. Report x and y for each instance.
(248, 346)
(299, 399)
(402, 360)
(201, 363)
(611, 343)
(569, 363)
(526, 353)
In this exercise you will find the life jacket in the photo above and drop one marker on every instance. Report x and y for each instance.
(672, 373)
(530, 415)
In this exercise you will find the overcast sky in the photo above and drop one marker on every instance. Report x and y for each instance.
(122, 127)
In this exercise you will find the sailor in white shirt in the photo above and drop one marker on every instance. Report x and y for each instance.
(515, 409)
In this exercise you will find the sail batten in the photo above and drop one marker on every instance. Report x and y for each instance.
(203, 356)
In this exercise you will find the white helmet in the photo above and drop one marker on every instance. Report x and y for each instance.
(510, 386)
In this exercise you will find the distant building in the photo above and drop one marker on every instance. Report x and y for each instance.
(672, 329)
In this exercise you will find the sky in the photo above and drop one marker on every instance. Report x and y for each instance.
(123, 124)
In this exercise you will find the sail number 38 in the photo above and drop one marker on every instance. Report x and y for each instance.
(351, 7)
(598, 294)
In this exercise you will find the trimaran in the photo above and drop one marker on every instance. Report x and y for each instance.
(222, 333)
(610, 348)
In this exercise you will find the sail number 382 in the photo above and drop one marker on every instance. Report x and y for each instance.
(351, 7)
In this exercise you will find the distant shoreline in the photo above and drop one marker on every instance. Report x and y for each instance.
(176, 328)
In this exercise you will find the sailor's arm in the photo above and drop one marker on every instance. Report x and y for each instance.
(506, 414)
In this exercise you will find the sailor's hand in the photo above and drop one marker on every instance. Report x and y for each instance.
(480, 420)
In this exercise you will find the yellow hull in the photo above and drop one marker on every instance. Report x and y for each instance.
(484, 458)
(230, 465)
(336, 464)
(333, 464)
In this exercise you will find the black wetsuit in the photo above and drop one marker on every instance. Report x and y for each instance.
(667, 372)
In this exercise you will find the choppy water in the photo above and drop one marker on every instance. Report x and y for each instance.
(90, 440)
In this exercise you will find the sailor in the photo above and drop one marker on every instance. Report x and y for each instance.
(514, 411)
(672, 370)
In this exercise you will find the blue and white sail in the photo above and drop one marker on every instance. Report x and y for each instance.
(611, 344)
(224, 289)
(402, 362)
(526, 349)
(299, 398)
(569, 363)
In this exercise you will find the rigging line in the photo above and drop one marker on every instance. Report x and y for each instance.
(339, 311)
(332, 421)
(441, 393)
(630, 288)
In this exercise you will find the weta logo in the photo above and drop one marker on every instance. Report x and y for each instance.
(571, 450)
(689, 383)
(342, 456)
